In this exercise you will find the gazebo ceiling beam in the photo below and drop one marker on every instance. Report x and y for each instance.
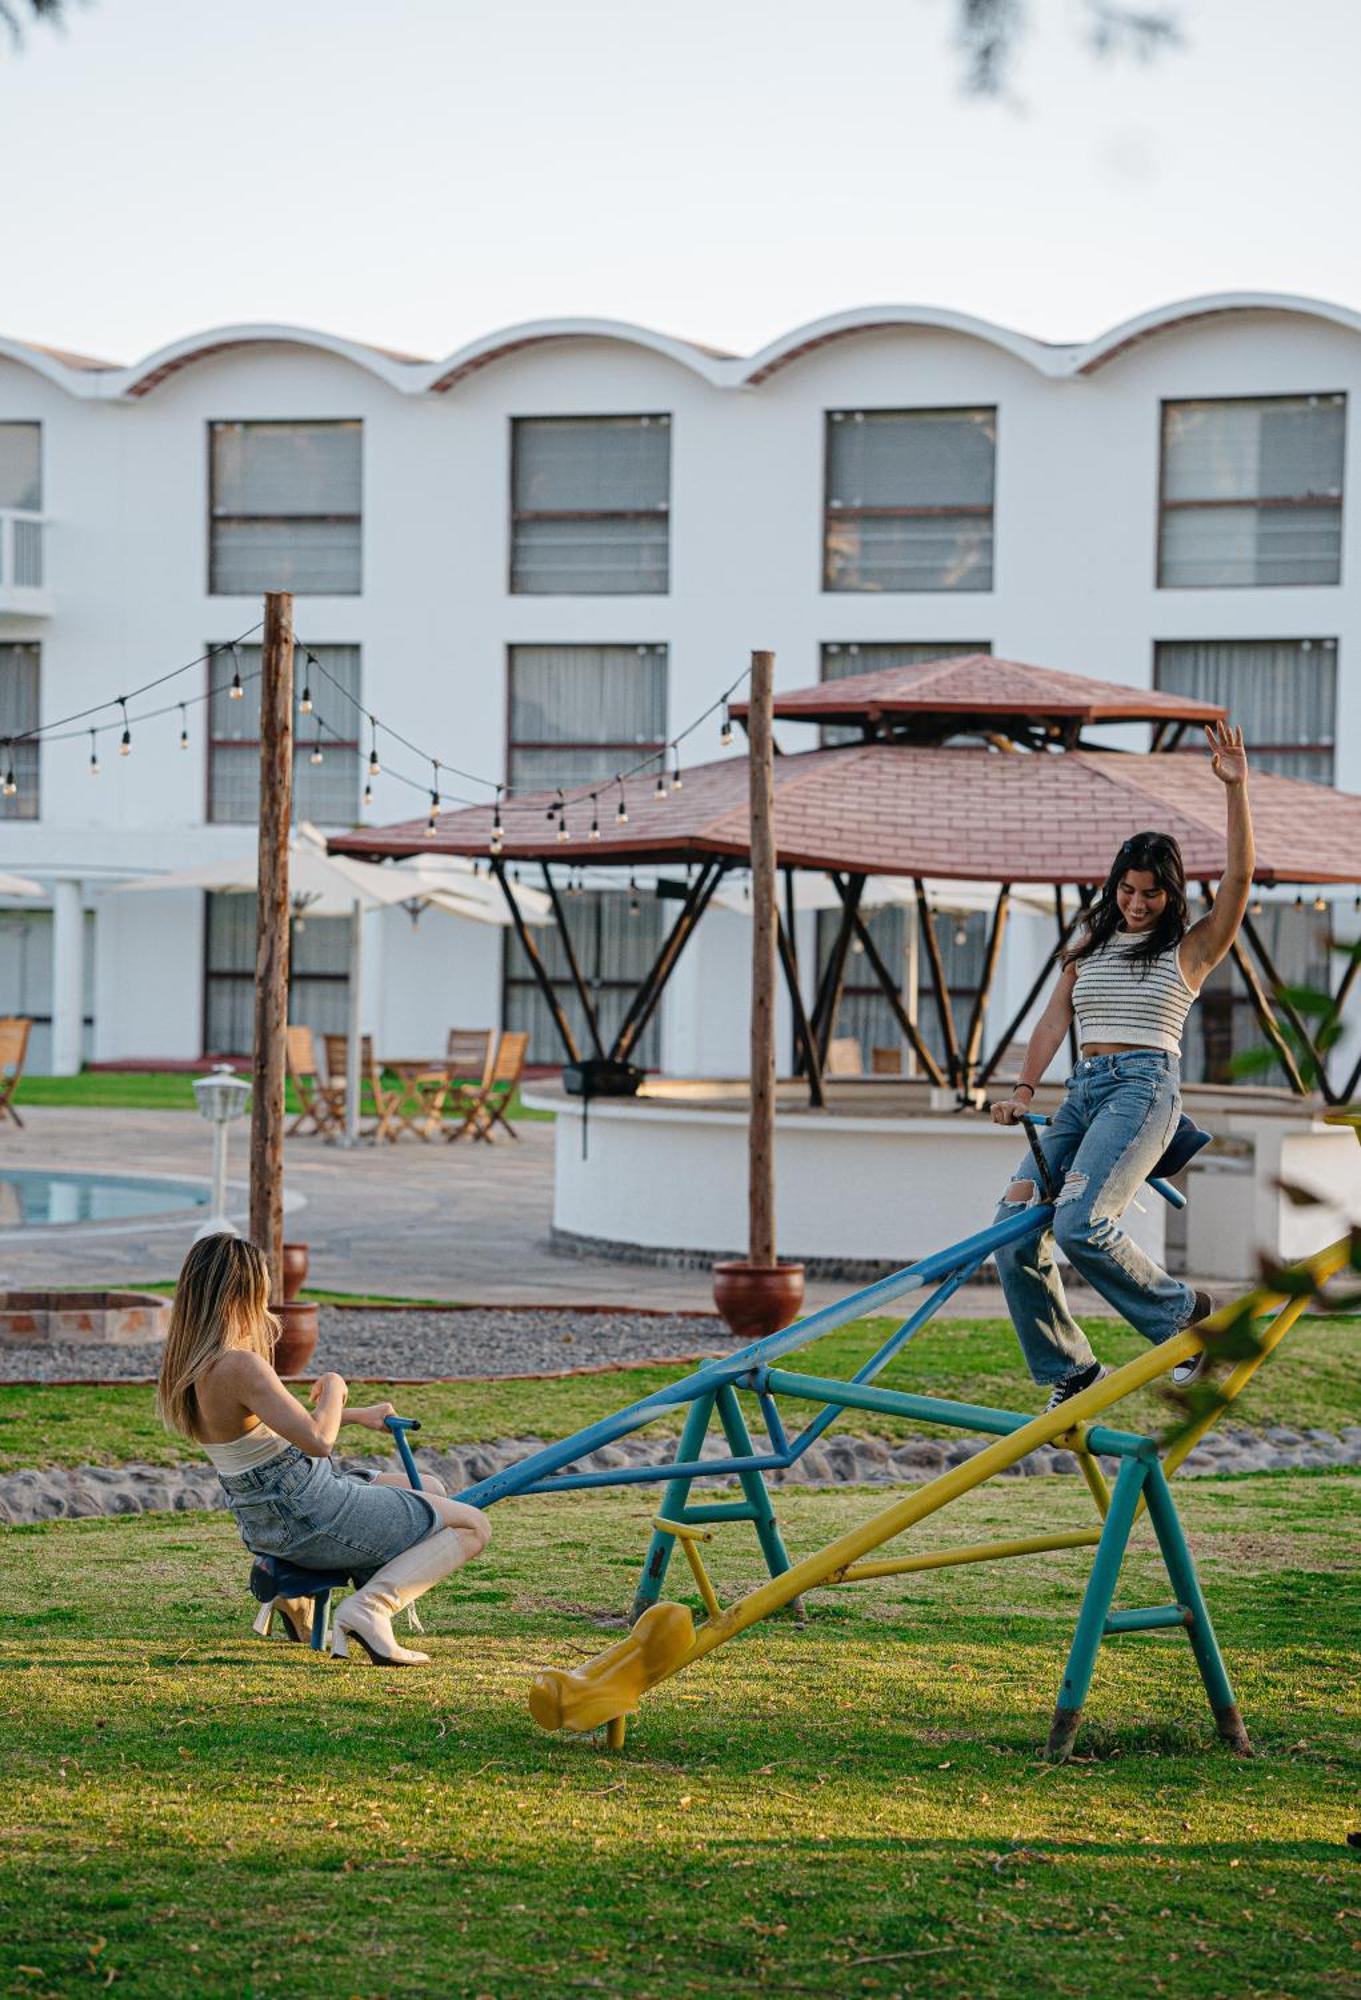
(939, 985)
(537, 966)
(645, 1000)
(893, 994)
(569, 952)
(974, 1036)
(834, 972)
(806, 1053)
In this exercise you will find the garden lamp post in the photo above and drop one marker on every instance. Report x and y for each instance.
(222, 1097)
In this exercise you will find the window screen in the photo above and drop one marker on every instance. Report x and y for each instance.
(21, 466)
(1252, 492)
(1283, 693)
(286, 508)
(590, 501)
(910, 499)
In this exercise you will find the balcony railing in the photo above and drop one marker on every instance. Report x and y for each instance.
(24, 591)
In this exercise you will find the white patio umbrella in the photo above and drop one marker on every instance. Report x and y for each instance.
(19, 885)
(324, 885)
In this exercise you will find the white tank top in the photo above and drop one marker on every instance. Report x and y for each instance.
(1144, 1004)
(243, 1454)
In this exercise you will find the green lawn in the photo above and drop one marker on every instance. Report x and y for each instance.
(146, 1090)
(850, 1807)
(1314, 1381)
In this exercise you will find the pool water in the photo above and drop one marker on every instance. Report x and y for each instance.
(28, 1200)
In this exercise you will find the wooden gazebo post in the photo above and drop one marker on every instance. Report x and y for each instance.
(760, 1296)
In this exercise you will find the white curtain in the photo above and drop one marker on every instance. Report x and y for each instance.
(607, 480)
(286, 506)
(583, 712)
(938, 460)
(1283, 693)
(1219, 458)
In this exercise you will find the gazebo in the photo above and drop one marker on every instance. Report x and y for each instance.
(971, 768)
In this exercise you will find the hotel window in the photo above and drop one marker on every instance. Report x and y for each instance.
(1252, 492)
(582, 712)
(839, 662)
(1283, 692)
(590, 506)
(318, 975)
(910, 499)
(19, 678)
(21, 467)
(286, 511)
(577, 714)
(327, 792)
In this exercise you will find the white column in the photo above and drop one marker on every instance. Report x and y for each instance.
(68, 977)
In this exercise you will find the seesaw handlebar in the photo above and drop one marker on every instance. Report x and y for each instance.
(399, 1426)
(1173, 1196)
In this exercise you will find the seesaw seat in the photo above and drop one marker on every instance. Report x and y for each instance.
(610, 1685)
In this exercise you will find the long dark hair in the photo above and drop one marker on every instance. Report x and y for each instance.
(1158, 855)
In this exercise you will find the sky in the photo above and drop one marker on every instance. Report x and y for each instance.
(419, 172)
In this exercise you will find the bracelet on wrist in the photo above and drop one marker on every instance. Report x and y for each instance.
(1026, 1086)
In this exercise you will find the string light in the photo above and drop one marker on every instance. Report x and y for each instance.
(236, 692)
(125, 742)
(661, 792)
(374, 766)
(1320, 904)
(595, 816)
(305, 699)
(432, 824)
(316, 757)
(11, 784)
(94, 756)
(184, 727)
(677, 782)
(496, 829)
(635, 907)
(725, 733)
(368, 793)
(621, 818)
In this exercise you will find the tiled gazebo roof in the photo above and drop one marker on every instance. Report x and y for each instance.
(980, 685)
(897, 809)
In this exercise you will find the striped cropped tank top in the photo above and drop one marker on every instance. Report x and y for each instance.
(1143, 1004)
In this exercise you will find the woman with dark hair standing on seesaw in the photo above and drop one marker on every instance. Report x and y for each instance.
(1128, 981)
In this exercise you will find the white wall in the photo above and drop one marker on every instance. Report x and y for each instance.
(125, 479)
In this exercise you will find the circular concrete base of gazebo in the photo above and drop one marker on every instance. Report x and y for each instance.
(889, 1172)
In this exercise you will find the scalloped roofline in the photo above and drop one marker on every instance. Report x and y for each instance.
(414, 376)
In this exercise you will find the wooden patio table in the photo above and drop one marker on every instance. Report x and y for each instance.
(418, 1104)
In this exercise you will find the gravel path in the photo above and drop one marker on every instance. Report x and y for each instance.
(83, 1491)
(480, 1340)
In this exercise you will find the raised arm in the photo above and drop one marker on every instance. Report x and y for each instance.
(1208, 940)
(1049, 1032)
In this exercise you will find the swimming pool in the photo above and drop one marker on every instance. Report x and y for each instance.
(32, 1199)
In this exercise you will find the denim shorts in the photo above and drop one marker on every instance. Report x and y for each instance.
(322, 1518)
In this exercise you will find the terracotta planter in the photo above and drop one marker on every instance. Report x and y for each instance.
(757, 1299)
(295, 1269)
(297, 1339)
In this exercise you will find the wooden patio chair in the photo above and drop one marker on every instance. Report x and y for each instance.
(14, 1033)
(322, 1103)
(470, 1053)
(382, 1102)
(886, 1062)
(488, 1109)
(844, 1057)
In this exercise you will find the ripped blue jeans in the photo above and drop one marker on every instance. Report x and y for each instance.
(1105, 1139)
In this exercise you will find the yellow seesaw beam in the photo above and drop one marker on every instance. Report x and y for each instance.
(609, 1686)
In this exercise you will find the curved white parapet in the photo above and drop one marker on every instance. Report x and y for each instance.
(660, 1178)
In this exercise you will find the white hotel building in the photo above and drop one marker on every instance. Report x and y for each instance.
(548, 553)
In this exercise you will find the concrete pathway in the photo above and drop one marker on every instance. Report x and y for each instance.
(465, 1223)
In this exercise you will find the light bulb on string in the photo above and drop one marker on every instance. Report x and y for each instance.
(94, 756)
(496, 828)
(236, 692)
(677, 782)
(125, 741)
(305, 699)
(11, 784)
(725, 733)
(595, 818)
(1320, 904)
(184, 727)
(375, 768)
(368, 793)
(432, 825)
(561, 810)
(621, 818)
(660, 792)
(635, 907)
(316, 756)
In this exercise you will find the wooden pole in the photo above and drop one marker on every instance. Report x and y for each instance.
(271, 935)
(761, 1153)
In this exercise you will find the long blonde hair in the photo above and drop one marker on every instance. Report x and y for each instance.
(221, 1301)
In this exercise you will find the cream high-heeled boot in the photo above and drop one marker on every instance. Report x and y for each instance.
(367, 1615)
(296, 1614)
